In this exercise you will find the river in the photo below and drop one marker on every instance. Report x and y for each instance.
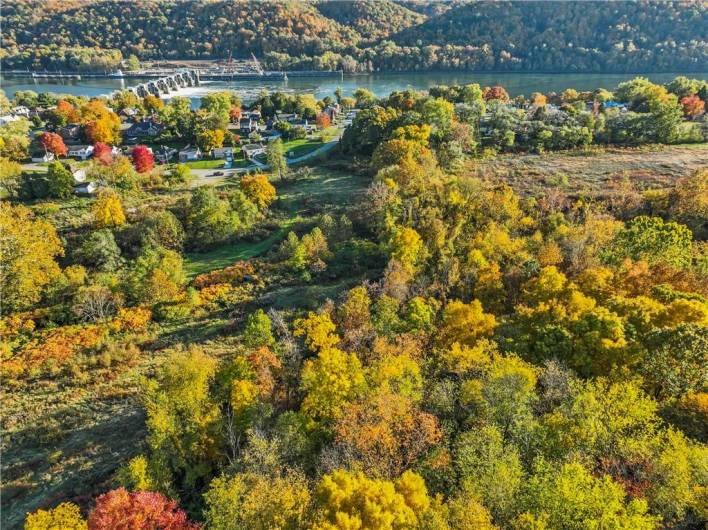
(379, 84)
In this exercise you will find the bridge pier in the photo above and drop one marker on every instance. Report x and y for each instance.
(166, 84)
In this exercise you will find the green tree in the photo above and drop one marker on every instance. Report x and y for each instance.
(183, 422)
(653, 240)
(275, 156)
(258, 330)
(100, 250)
(248, 501)
(571, 498)
(61, 181)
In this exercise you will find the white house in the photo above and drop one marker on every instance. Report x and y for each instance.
(190, 153)
(21, 111)
(222, 152)
(252, 150)
(8, 118)
(81, 151)
(46, 157)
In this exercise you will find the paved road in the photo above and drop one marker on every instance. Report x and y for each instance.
(204, 176)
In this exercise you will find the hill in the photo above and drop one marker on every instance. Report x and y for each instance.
(362, 35)
(372, 19)
(571, 36)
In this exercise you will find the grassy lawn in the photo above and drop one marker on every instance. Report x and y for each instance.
(205, 164)
(325, 189)
(300, 147)
(199, 263)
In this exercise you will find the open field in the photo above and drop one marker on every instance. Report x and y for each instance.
(590, 171)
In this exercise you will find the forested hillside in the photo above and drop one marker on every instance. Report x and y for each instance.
(372, 19)
(363, 35)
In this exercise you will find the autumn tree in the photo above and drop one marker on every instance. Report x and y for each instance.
(407, 247)
(465, 323)
(653, 240)
(153, 104)
(53, 143)
(495, 92)
(352, 500)
(27, 256)
(141, 510)
(258, 330)
(183, 422)
(568, 497)
(258, 189)
(101, 123)
(208, 139)
(386, 433)
(323, 120)
(692, 106)
(103, 153)
(143, 159)
(66, 516)
(254, 501)
(108, 209)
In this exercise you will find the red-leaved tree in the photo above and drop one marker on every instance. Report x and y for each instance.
(53, 143)
(143, 159)
(495, 92)
(692, 105)
(141, 510)
(103, 153)
(323, 120)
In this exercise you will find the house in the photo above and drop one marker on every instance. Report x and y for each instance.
(164, 154)
(144, 128)
(223, 152)
(79, 176)
(309, 127)
(21, 111)
(247, 125)
(80, 151)
(8, 118)
(269, 136)
(190, 153)
(86, 188)
(70, 133)
(252, 150)
(43, 157)
(332, 111)
(288, 117)
(128, 112)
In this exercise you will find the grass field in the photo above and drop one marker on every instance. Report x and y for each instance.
(593, 171)
(324, 190)
(198, 263)
(205, 164)
(300, 147)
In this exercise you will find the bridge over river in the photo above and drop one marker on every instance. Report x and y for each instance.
(167, 83)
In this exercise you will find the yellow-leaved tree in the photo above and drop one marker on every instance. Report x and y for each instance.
(66, 516)
(258, 189)
(108, 210)
(28, 248)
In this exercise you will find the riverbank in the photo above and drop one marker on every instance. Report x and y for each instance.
(380, 84)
